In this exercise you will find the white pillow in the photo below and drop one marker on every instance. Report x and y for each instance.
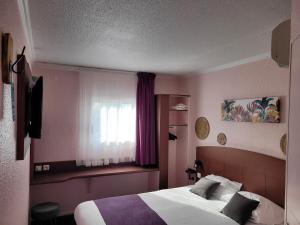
(267, 211)
(226, 189)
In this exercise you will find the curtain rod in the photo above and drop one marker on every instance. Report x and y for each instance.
(78, 68)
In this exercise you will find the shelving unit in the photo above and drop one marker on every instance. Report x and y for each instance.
(172, 154)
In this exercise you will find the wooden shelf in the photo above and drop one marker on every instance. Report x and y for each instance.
(179, 96)
(170, 117)
(89, 172)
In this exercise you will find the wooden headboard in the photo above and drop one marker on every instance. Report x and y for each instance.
(261, 174)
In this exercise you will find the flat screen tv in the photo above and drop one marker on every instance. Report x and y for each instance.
(36, 108)
(29, 107)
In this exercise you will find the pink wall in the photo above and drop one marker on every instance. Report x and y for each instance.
(59, 138)
(167, 84)
(293, 182)
(14, 185)
(293, 205)
(262, 78)
(70, 193)
(59, 142)
(257, 79)
(60, 103)
(295, 22)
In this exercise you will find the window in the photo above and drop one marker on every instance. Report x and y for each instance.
(113, 123)
(107, 119)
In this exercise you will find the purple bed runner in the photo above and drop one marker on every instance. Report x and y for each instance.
(127, 210)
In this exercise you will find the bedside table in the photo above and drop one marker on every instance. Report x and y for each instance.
(192, 174)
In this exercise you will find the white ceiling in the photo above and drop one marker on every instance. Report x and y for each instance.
(169, 36)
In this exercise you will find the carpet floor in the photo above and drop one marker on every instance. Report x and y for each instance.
(62, 220)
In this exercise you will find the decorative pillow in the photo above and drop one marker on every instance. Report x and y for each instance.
(226, 189)
(240, 208)
(204, 187)
(267, 211)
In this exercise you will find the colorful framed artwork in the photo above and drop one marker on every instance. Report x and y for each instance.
(257, 110)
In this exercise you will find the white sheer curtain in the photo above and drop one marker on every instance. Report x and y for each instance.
(107, 110)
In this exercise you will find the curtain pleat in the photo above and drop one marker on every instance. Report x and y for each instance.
(145, 120)
(107, 115)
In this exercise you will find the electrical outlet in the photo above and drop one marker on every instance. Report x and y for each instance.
(38, 168)
(46, 167)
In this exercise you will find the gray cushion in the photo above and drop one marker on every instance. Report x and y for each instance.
(240, 208)
(45, 211)
(204, 187)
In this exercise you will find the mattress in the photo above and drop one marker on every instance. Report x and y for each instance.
(175, 206)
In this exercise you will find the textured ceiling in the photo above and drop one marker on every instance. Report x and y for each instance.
(171, 36)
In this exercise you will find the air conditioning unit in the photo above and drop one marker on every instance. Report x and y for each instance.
(280, 49)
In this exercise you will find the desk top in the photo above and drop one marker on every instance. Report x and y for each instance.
(89, 172)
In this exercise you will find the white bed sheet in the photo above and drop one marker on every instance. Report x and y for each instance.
(177, 206)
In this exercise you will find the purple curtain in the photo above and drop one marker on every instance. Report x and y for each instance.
(145, 120)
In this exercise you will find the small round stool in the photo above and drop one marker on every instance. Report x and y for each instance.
(45, 212)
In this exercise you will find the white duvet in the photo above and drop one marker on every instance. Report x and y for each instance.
(177, 206)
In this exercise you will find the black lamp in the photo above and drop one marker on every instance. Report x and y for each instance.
(195, 174)
(198, 165)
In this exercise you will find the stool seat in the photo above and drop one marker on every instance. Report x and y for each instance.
(45, 211)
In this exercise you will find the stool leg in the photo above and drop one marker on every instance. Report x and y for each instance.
(53, 221)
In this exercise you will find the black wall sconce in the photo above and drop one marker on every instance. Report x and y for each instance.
(198, 165)
(195, 174)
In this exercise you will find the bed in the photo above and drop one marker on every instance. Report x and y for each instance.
(175, 206)
(259, 174)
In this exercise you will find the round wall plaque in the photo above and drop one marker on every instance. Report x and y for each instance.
(202, 128)
(222, 140)
(283, 143)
